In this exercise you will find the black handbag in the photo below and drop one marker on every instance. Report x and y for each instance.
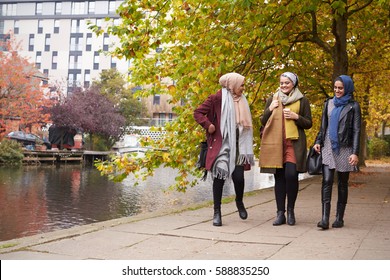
(201, 163)
(314, 162)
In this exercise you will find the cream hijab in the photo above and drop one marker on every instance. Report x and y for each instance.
(232, 82)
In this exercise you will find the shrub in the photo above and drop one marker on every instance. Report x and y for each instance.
(378, 148)
(11, 152)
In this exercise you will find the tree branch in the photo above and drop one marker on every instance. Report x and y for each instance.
(358, 8)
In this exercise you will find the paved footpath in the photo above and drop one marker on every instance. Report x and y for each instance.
(189, 234)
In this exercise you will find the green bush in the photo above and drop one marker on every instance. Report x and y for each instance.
(11, 152)
(98, 143)
(378, 148)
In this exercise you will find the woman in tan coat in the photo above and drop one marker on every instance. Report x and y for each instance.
(283, 146)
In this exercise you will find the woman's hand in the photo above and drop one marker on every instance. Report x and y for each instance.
(353, 160)
(317, 148)
(274, 104)
(290, 115)
(211, 129)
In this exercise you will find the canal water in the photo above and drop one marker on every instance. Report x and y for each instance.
(38, 199)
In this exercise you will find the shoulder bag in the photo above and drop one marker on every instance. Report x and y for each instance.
(314, 162)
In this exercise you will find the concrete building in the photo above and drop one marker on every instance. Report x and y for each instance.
(54, 35)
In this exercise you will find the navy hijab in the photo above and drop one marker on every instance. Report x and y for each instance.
(339, 105)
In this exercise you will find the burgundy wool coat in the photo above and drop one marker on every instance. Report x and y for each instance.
(209, 112)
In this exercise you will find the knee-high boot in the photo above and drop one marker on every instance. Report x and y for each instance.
(217, 196)
(343, 178)
(239, 185)
(324, 223)
(326, 196)
(339, 222)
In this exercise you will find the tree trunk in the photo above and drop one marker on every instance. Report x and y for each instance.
(363, 144)
(363, 132)
(340, 55)
(383, 129)
(91, 141)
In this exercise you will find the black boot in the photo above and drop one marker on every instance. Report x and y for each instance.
(324, 223)
(339, 222)
(241, 210)
(290, 216)
(217, 220)
(217, 195)
(326, 195)
(280, 218)
(343, 178)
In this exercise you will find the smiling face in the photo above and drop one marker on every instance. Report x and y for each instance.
(338, 89)
(286, 85)
(239, 90)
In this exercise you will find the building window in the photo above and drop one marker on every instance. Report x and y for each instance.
(76, 43)
(113, 62)
(99, 23)
(54, 60)
(74, 79)
(78, 8)
(91, 7)
(56, 26)
(156, 99)
(74, 62)
(75, 26)
(89, 42)
(106, 42)
(47, 42)
(8, 10)
(38, 60)
(46, 72)
(31, 43)
(71, 80)
(58, 8)
(40, 26)
(161, 119)
(111, 7)
(16, 27)
(117, 21)
(96, 61)
(38, 8)
(87, 78)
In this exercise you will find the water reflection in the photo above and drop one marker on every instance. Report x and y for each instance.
(45, 198)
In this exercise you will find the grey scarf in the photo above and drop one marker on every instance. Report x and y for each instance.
(293, 96)
(226, 160)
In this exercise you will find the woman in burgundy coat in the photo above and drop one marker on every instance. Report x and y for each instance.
(227, 120)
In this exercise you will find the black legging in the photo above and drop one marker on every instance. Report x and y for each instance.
(286, 184)
(239, 183)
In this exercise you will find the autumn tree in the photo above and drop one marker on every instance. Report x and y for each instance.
(91, 112)
(21, 96)
(201, 40)
(112, 84)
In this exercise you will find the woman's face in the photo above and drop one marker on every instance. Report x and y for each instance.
(338, 89)
(238, 91)
(286, 85)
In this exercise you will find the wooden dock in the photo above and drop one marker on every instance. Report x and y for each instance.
(64, 156)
